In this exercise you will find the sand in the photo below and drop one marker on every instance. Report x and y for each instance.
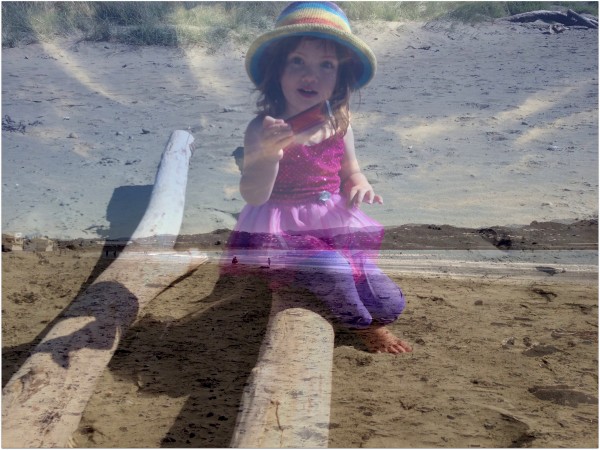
(467, 126)
(499, 360)
(466, 131)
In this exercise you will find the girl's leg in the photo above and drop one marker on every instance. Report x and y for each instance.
(385, 302)
(381, 296)
(328, 275)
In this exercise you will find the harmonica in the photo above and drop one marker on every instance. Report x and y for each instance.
(312, 117)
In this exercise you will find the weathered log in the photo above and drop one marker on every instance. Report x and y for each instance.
(545, 16)
(44, 400)
(569, 18)
(164, 213)
(580, 20)
(286, 403)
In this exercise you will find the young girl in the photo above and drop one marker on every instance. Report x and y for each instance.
(303, 190)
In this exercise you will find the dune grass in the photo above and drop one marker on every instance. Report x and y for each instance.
(211, 24)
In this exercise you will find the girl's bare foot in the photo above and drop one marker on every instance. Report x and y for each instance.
(379, 339)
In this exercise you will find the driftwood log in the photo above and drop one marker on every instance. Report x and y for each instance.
(287, 401)
(581, 20)
(44, 400)
(164, 213)
(569, 18)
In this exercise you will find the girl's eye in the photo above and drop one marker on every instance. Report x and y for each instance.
(295, 60)
(328, 65)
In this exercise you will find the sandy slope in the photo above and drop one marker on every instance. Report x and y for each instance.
(468, 126)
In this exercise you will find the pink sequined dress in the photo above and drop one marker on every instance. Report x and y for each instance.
(305, 215)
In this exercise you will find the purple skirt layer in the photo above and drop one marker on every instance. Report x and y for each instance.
(286, 233)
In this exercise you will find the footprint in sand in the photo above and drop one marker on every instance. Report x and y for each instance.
(491, 427)
(540, 350)
(562, 395)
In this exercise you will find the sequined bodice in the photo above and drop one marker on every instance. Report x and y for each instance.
(306, 172)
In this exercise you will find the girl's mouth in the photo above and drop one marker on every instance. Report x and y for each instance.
(307, 93)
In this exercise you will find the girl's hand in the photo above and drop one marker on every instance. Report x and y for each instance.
(363, 193)
(360, 190)
(273, 137)
(354, 183)
(264, 142)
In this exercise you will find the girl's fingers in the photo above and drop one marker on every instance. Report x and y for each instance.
(358, 196)
(276, 137)
(352, 198)
(285, 143)
(278, 134)
(270, 121)
(369, 197)
(282, 133)
(277, 126)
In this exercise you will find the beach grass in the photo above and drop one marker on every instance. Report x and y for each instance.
(211, 24)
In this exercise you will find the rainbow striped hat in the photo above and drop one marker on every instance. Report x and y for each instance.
(319, 19)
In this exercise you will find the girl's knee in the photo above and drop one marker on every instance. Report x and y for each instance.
(382, 297)
(390, 310)
(396, 307)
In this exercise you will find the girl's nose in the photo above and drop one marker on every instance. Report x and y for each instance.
(309, 74)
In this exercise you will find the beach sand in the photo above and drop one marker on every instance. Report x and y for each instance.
(499, 359)
(466, 130)
(469, 126)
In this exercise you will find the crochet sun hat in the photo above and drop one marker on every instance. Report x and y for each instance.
(316, 19)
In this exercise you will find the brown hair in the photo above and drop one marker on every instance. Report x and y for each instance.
(271, 100)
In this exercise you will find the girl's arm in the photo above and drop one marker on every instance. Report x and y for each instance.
(264, 141)
(354, 183)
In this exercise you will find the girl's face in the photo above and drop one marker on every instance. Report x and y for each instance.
(309, 76)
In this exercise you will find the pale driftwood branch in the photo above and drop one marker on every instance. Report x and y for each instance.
(44, 400)
(545, 16)
(569, 18)
(581, 20)
(164, 213)
(286, 403)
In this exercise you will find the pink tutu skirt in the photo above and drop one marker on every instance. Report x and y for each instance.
(283, 233)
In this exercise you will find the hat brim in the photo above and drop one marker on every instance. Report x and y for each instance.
(367, 63)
